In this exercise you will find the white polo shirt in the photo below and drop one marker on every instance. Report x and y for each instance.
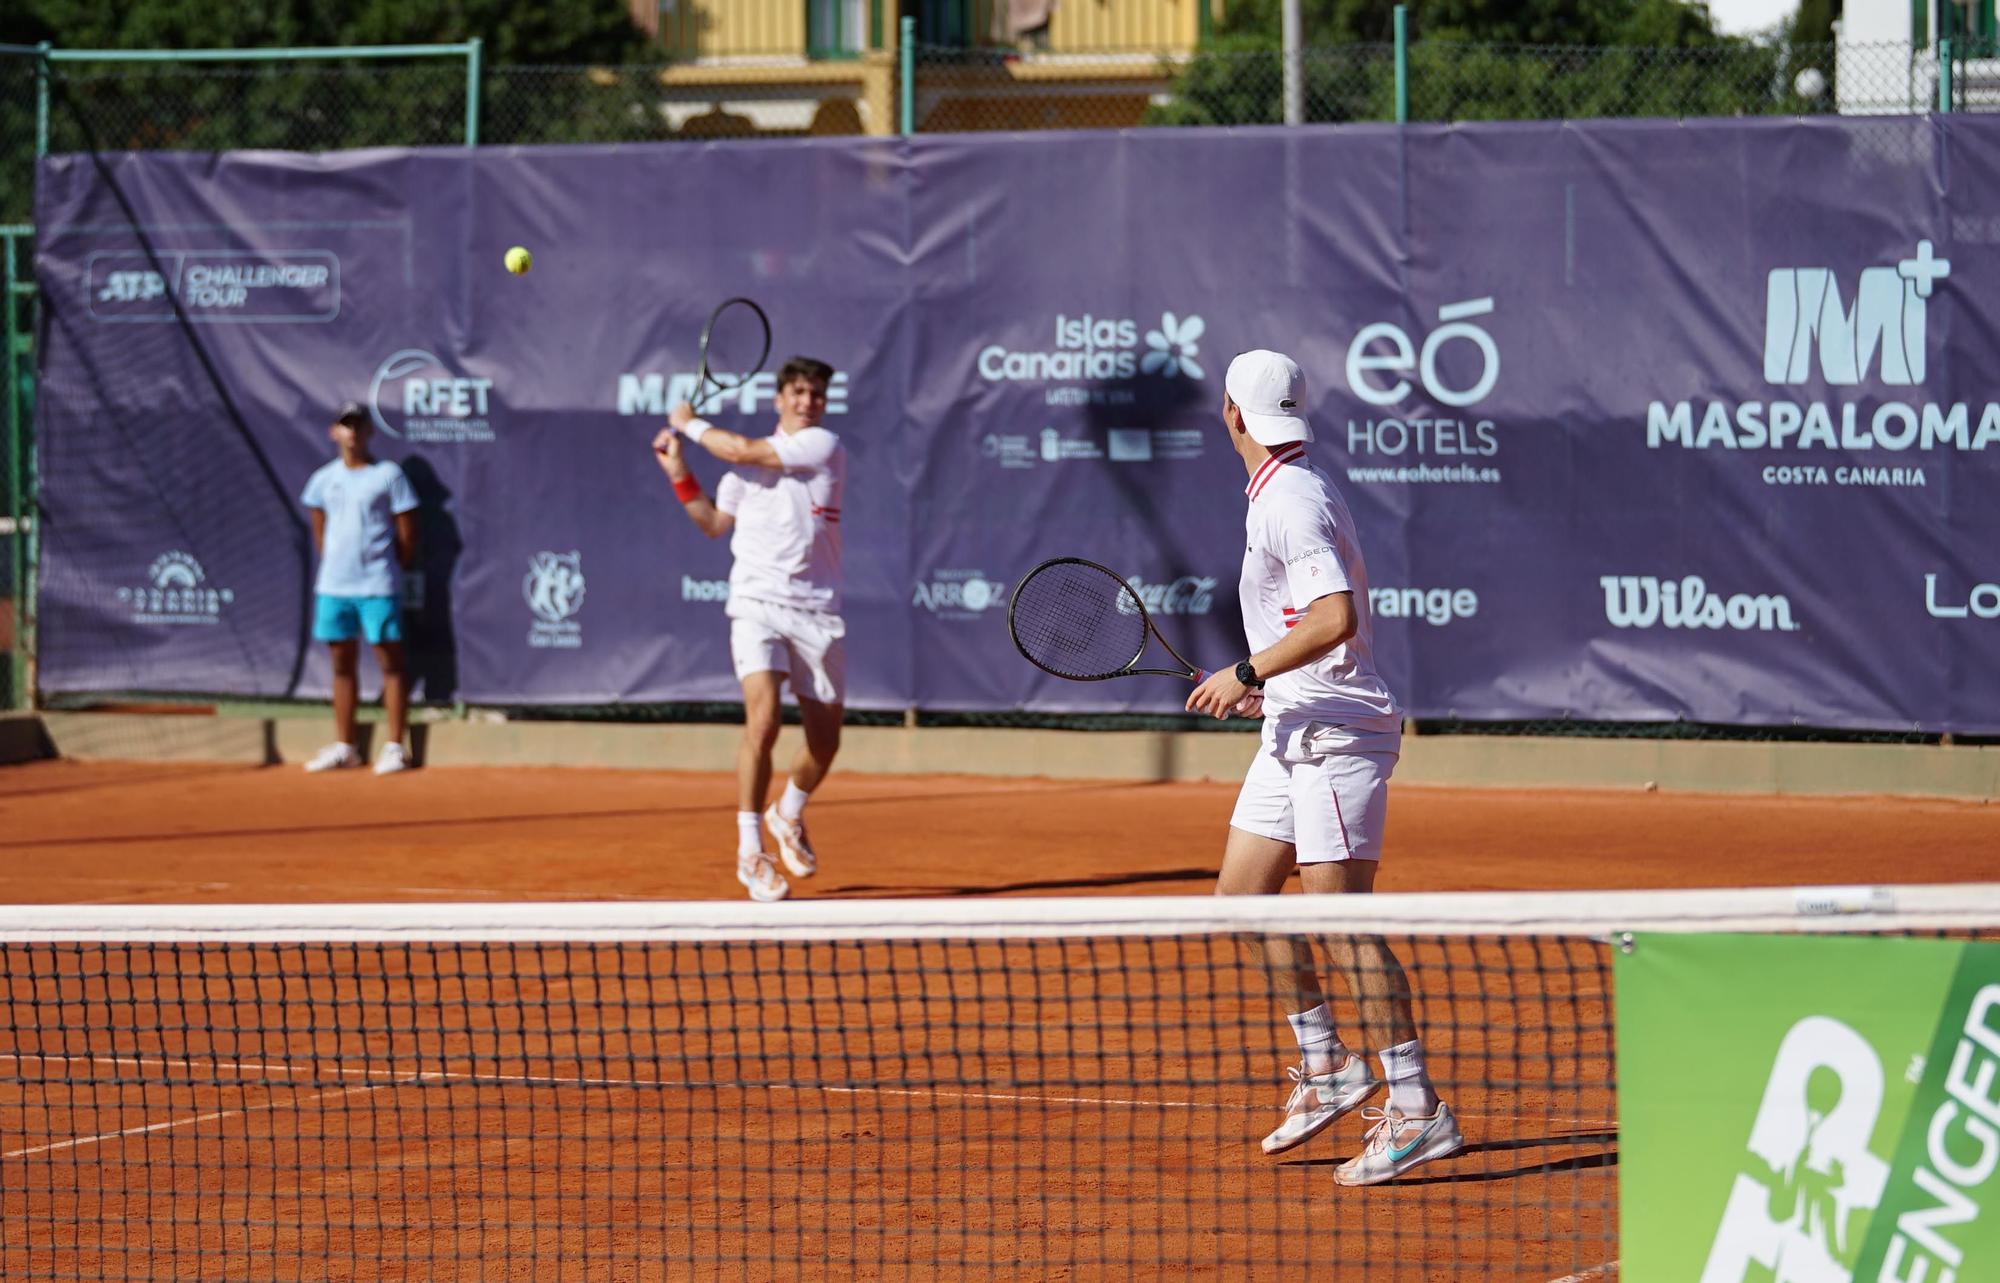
(1301, 547)
(787, 540)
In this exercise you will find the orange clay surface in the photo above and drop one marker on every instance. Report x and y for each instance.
(759, 1111)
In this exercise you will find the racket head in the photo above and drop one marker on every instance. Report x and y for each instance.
(1078, 620)
(735, 343)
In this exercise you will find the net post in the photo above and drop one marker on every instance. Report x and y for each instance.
(1402, 64)
(906, 63)
(472, 92)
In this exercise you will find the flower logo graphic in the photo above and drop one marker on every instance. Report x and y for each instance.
(1173, 347)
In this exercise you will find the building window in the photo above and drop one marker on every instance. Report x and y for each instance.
(836, 28)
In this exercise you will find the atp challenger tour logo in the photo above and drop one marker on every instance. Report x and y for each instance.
(418, 398)
(1814, 335)
(1811, 1175)
(1852, 1135)
(554, 592)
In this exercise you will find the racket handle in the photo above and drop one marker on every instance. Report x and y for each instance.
(1200, 676)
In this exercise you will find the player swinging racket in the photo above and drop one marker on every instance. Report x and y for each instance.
(781, 500)
(1317, 792)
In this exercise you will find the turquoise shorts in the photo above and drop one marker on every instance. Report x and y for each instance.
(339, 619)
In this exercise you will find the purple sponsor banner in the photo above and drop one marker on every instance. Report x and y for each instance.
(1638, 420)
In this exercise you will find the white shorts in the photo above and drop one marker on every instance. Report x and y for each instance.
(1329, 804)
(804, 645)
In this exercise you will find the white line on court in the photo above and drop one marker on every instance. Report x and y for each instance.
(387, 1078)
(1595, 1274)
(79, 1141)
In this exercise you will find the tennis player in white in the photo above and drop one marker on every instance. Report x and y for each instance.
(1316, 794)
(781, 500)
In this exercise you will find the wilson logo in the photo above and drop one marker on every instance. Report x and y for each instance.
(1645, 601)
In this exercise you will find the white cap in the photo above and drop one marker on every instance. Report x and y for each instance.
(1270, 390)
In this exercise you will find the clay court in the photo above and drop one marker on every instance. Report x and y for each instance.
(1083, 1116)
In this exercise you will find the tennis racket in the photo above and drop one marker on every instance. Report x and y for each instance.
(735, 343)
(1078, 620)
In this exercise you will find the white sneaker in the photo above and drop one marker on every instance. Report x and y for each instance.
(334, 757)
(759, 875)
(793, 848)
(393, 757)
(1318, 1099)
(1398, 1142)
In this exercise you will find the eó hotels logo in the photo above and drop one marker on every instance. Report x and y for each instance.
(1796, 1207)
(1803, 306)
(554, 592)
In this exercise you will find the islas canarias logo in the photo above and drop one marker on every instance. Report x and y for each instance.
(1089, 347)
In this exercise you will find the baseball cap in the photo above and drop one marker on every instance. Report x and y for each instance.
(1270, 390)
(352, 412)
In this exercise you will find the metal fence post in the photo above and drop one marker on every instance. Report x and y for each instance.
(472, 92)
(17, 536)
(1944, 76)
(42, 99)
(1402, 65)
(1294, 73)
(906, 58)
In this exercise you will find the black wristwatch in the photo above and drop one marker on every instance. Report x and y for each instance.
(1246, 672)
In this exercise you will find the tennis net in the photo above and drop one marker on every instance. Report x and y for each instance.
(1000, 1089)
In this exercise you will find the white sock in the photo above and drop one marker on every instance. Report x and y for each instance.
(1318, 1043)
(749, 833)
(1410, 1090)
(793, 804)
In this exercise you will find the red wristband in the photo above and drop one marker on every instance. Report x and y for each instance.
(687, 489)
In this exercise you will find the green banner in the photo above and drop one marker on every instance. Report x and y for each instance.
(1808, 1109)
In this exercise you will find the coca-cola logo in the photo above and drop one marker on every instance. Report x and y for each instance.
(1187, 595)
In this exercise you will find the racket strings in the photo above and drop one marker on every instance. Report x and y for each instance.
(1078, 621)
(737, 341)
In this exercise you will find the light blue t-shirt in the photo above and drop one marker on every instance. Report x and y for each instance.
(359, 555)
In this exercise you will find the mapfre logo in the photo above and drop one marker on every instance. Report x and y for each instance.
(1813, 335)
(1095, 348)
(1804, 316)
(415, 396)
(1809, 1179)
(1645, 601)
(653, 395)
(959, 594)
(176, 591)
(554, 590)
(1187, 595)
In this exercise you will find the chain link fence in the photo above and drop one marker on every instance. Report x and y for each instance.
(318, 103)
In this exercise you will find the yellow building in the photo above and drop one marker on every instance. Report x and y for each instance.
(830, 66)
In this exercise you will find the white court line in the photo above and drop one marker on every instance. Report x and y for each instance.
(537, 1080)
(1608, 1270)
(79, 1141)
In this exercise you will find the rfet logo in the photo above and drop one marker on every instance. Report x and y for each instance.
(554, 592)
(417, 397)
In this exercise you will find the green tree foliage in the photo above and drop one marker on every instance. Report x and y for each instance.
(1484, 60)
(554, 71)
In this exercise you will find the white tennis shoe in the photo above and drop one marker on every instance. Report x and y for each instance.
(334, 757)
(1397, 1142)
(793, 848)
(1318, 1099)
(393, 757)
(759, 875)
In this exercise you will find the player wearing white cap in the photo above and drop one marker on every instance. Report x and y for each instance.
(1316, 794)
(780, 503)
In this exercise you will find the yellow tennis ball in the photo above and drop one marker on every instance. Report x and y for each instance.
(519, 261)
